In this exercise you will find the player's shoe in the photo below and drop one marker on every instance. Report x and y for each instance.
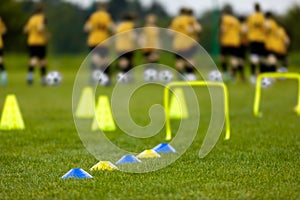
(3, 78)
(29, 78)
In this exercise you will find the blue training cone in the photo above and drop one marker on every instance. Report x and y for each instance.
(128, 159)
(164, 148)
(76, 173)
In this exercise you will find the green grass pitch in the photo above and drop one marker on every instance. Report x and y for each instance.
(260, 161)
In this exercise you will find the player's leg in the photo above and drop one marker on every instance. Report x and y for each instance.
(125, 62)
(33, 61)
(241, 54)
(234, 64)
(224, 54)
(190, 63)
(3, 74)
(180, 66)
(254, 58)
(43, 63)
(283, 62)
(271, 62)
(100, 62)
(223, 59)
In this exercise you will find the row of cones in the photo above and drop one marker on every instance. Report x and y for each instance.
(126, 159)
(12, 118)
(103, 119)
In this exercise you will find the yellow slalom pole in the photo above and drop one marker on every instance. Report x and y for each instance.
(167, 111)
(273, 75)
(226, 106)
(257, 97)
(196, 83)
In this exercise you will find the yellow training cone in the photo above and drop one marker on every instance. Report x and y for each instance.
(104, 165)
(103, 119)
(148, 154)
(178, 108)
(11, 115)
(85, 108)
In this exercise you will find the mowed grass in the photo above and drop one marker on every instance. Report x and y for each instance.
(260, 161)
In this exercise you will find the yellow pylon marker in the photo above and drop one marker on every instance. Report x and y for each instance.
(103, 119)
(178, 108)
(104, 166)
(148, 154)
(85, 108)
(11, 116)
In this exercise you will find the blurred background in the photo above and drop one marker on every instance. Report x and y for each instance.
(66, 19)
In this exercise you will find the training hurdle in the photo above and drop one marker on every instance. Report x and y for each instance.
(201, 84)
(273, 75)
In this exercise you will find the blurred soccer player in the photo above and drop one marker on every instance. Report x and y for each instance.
(150, 38)
(184, 43)
(256, 37)
(99, 26)
(124, 46)
(36, 28)
(230, 39)
(2, 68)
(271, 43)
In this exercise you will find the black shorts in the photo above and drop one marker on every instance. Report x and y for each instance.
(229, 51)
(100, 50)
(38, 51)
(242, 52)
(188, 53)
(1, 52)
(258, 48)
(127, 55)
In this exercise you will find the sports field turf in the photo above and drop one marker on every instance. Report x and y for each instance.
(260, 161)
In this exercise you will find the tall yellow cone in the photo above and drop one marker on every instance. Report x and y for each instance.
(11, 115)
(85, 108)
(103, 119)
(178, 108)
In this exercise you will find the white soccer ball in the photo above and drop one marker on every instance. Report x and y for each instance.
(191, 77)
(123, 77)
(165, 76)
(100, 77)
(266, 82)
(215, 76)
(53, 78)
(150, 75)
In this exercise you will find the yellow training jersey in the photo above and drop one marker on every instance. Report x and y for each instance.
(36, 27)
(230, 31)
(256, 27)
(125, 41)
(151, 38)
(2, 31)
(183, 39)
(272, 36)
(99, 23)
